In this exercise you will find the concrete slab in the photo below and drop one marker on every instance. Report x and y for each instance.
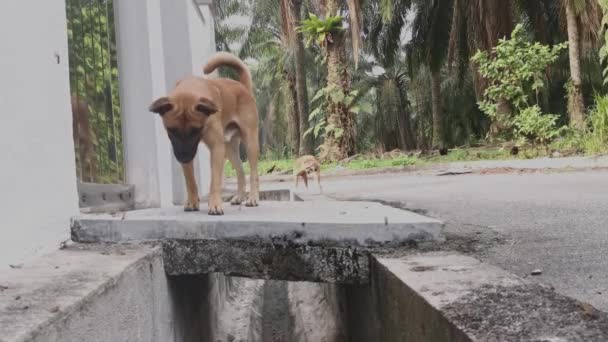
(278, 194)
(327, 223)
(271, 260)
(450, 297)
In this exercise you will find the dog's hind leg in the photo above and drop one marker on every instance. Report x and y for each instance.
(253, 153)
(218, 157)
(318, 172)
(232, 153)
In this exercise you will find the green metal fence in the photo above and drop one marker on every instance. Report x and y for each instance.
(94, 90)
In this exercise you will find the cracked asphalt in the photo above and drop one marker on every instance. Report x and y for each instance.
(521, 221)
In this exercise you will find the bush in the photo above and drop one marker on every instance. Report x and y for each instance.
(596, 139)
(516, 70)
(532, 124)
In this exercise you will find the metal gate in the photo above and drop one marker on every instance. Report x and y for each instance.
(94, 90)
(95, 101)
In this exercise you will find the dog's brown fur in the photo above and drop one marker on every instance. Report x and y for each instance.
(305, 165)
(219, 112)
(83, 138)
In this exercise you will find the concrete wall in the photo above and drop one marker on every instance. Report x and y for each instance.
(245, 310)
(137, 307)
(236, 307)
(38, 175)
(388, 310)
(98, 293)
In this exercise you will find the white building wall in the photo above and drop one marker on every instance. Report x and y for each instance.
(38, 193)
(37, 166)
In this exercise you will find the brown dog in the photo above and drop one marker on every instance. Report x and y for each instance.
(305, 165)
(83, 138)
(220, 112)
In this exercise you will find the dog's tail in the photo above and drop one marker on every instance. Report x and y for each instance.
(230, 60)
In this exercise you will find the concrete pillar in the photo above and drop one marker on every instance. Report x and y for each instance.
(188, 40)
(158, 43)
(38, 175)
(141, 78)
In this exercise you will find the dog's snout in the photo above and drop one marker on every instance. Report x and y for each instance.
(184, 156)
(184, 150)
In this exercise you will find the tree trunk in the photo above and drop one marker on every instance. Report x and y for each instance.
(436, 103)
(340, 142)
(306, 142)
(576, 105)
(406, 132)
(293, 123)
(267, 136)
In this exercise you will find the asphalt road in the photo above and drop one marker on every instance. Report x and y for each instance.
(555, 222)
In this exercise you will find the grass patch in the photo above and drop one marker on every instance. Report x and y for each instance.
(285, 166)
(472, 154)
(364, 164)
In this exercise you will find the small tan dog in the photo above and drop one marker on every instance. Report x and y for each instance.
(304, 166)
(82, 134)
(219, 112)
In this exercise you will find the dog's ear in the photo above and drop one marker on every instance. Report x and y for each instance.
(206, 106)
(161, 106)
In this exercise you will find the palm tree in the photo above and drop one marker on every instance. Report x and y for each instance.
(430, 41)
(581, 17)
(392, 104)
(338, 146)
(384, 22)
(297, 41)
(269, 40)
(339, 141)
(576, 104)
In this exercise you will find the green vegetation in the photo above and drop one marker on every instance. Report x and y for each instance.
(94, 81)
(320, 31)
(515, 71)
(366, 162)
(422, 75)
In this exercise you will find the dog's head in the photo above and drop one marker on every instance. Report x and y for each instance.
(184, 118)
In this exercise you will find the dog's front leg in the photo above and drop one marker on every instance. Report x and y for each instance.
(217, 170)
(193, 200)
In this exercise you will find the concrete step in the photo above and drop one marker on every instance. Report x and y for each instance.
(319, 241)
(326, 223)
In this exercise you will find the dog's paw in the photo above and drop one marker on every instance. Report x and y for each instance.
(237, 199)
(252, 202)
(191, 206)
(216, 211)
(215, 208)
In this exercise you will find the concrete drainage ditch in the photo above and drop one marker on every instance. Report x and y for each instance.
(125, 280)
